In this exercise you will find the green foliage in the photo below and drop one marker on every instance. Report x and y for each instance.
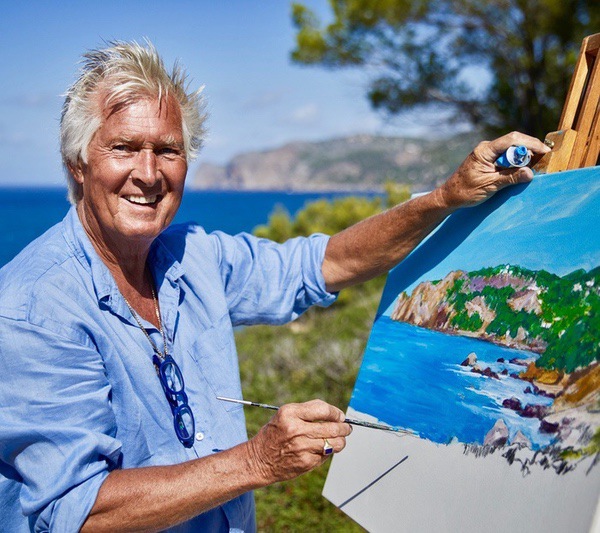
(594, 446)
(316, 356)
(330, 217)
(591, 449)
(396, 193)
(418, 53)
(465, 322)
(576, 347)
(279, 228)
(568, 321)
(319, 216)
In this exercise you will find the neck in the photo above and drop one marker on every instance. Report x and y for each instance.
(127, 264)
(125, 260)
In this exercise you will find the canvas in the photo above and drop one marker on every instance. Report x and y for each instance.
(486, 348)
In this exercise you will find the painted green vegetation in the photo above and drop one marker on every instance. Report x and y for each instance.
(317, 356)
(560, 313)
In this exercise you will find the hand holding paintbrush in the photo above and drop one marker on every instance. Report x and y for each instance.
(350, 421)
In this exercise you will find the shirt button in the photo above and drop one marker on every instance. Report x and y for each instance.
(199, 435)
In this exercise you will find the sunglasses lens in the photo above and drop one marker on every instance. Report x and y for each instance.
(184, 423)
(172, 377)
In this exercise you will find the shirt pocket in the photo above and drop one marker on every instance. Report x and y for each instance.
(130, 429)
(214, 352)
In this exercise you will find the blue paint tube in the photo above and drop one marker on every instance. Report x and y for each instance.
(515, 156)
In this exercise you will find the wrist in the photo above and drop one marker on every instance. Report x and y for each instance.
(259, 472)
(444, 199)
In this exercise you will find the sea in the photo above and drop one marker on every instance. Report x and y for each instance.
(412, 377)
(28, 212)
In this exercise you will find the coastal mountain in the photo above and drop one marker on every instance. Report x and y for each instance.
(360, 162)
(555, 316)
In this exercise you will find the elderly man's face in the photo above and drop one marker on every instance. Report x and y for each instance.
(134, 177)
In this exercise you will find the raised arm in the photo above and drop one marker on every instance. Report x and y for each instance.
(378, 243)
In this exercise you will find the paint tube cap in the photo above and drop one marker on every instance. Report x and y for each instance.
(515, 156)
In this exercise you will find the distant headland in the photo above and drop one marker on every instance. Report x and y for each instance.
(359, 162)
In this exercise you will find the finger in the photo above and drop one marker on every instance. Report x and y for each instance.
(512, 176)
(321, 430)
(307, 418)
(339, 443)
(498, 146)
(318, 410)
(320, 445)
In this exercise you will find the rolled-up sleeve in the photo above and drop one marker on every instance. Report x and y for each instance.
(267, 282)
(57, 429)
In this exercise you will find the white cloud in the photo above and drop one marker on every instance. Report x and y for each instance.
(306, 114)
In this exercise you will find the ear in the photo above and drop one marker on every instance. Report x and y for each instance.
(77, 171)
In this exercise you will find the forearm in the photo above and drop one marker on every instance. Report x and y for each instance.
(375, 245)
(156, 498)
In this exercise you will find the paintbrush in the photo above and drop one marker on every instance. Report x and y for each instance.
(350, 421)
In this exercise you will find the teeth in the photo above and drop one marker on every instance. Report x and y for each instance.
(141, 199)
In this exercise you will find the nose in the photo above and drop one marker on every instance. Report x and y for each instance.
(146, 168)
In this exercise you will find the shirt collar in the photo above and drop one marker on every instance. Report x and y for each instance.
(163, 264)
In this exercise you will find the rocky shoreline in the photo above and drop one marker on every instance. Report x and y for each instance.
(571, 418)
(514, 307)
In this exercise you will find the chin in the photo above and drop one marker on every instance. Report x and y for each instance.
(143, 231)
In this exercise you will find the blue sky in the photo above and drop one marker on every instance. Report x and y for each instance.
(550, 224)
(238, 49)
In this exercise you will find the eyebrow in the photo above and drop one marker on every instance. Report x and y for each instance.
(169, 140)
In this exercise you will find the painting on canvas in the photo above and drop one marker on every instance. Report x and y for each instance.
(486, 348)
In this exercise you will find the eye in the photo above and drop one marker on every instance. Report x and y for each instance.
(168, 151)
(121, 148)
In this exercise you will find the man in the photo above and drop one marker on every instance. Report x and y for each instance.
(116, 328)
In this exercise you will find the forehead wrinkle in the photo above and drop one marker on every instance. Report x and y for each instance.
(135, 129)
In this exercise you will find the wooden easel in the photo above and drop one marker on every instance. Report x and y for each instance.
(576, 144)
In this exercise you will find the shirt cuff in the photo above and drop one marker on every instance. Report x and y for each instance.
(70, 511)
(312, 268)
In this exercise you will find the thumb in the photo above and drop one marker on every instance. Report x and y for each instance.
(524, 175)
(516, 175)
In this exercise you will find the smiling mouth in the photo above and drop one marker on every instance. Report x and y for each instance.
(142, 200)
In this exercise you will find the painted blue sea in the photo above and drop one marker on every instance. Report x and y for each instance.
(411, 377)
(27, 213)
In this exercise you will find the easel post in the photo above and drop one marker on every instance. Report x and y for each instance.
(577, 141)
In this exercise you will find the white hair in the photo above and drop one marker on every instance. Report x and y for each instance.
(123, 72)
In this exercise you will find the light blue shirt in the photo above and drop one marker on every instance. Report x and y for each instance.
(79, 395)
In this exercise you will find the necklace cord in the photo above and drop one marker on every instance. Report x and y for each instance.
(183, 418)
(161, 355)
